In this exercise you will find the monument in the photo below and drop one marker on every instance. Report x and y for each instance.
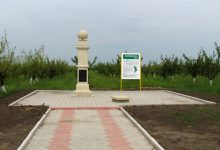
(82, 86)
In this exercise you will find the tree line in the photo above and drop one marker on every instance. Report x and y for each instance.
(169, 66)
(203, 64)
(34, 65)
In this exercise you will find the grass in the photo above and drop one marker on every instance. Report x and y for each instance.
(65, 82)
(184, 83)
(98, 81)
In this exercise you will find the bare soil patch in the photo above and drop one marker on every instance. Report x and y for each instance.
(16, 122)
(182, 127)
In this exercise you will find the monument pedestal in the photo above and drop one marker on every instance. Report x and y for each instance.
(82, 89)
(82, 86)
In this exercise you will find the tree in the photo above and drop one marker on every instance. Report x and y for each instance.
(211, 66)
(75, 60)
(145, 69)
(170, 66)
(6, 58)
(15, 69)
(34, 64)
(91, 64)
(117, 67)
(152, 68)
(193, 66)
(217, 48)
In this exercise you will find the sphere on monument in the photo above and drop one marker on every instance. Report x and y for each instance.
(82, 35)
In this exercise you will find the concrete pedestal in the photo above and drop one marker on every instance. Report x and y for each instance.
(82, 89)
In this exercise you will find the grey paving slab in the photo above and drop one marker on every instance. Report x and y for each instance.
(43, 135)
(136, 139)
(103, 99)
(88, 131)
(87, 128)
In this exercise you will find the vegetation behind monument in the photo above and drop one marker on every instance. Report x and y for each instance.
(36, 65)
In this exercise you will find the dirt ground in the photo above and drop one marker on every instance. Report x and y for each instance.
(182, 127)
(16, 122)
(159, 121)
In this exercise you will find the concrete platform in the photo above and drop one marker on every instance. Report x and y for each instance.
(103, 99)
(94, 122)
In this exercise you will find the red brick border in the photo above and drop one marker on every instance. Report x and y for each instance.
(62, 135)
(114, 134)
(85, 108)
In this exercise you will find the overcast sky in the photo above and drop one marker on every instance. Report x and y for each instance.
(154, 27)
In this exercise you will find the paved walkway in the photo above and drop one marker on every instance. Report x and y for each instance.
(103, 99)
(82, 123)
(88, 130)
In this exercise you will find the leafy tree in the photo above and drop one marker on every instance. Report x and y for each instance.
(15, 70)
(75, 60)
(117, 67)
(6, 58)
(217, 48)
(170, 66)
(145, 69)
(35, 64)
(194, 66)
(211, 66)
(152, 68)
(91, 64)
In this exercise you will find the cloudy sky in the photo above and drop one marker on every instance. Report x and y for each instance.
(154, 27)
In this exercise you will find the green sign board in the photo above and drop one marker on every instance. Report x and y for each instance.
(131, 64)
(130, 56)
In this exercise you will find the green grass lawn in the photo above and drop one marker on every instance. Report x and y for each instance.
(184, 83)
(65, 82)
(98, 81)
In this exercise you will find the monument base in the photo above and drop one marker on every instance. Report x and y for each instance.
(120, 99)
(82, 89)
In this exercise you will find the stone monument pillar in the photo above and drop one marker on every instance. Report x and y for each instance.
(82, 86)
